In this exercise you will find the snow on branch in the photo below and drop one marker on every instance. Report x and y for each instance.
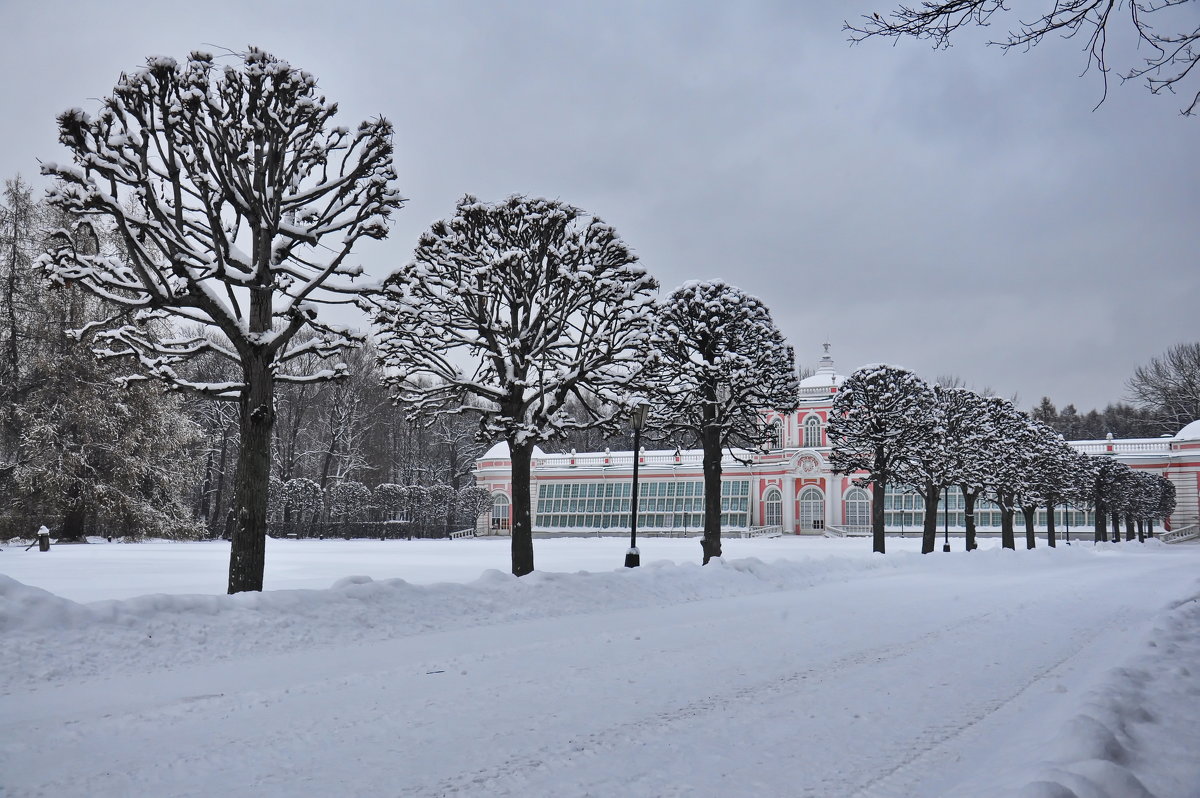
(541, 301)
(236, 204)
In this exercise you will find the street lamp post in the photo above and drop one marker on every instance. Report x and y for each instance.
(637, 419)
(945, 519)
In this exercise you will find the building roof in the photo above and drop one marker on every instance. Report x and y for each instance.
(824, 381)
(1190, 433)
(500, 452)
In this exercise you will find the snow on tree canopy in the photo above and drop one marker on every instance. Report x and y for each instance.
(237, 206)
(717, 356)
(544, 303)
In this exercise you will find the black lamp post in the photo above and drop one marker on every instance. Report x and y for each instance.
(945, 518)
(637, 419)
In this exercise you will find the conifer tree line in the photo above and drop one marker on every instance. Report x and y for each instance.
(891, 428)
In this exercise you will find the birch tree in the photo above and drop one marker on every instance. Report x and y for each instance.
(238, 206)
(541, 302)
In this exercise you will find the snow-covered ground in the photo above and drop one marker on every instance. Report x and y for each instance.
(794, 667)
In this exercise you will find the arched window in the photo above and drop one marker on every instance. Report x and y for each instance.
(812, 509)
(773, 508)
(777, 434)
(812, 432)
(500, 513)
(858, 508)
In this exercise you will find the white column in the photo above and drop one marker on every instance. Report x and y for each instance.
(788, 490)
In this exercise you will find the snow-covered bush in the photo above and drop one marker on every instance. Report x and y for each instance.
(348, 501)
(302, 500)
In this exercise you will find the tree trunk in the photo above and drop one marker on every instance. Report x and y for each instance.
(1101, 522)
(1030, 513)
(1116, 527)
(877, 491)
(1007, 538)
(521, 523)
(711, 542)
(252, 483)
(931, 494)
(74, 527)
(1050, 538)
(1129, 527)
(969, 517)
(218, 513)
(1141, 527)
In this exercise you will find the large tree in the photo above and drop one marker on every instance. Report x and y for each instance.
(881, 417)
(1009, 464)
(718, 363)
(1165, 30)
(968, 440)
(508, 310)
(932, 465)
(238, 207)
(1169, 387)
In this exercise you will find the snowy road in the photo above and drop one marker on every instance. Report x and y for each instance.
(942, 677)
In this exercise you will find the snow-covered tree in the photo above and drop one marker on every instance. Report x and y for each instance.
(275, 499)
(518, 305)
(1011, 449)
(1166, 499)
(968, 436)
(718, 363)
(302, 500)
(442, 501)
(1170, 40)
(931, 466)
(474, 501)
(238, 208)
(879, 421)
(1116, 498)
(1048, 466)
(348, 501)
(390, 500)
(418, 505)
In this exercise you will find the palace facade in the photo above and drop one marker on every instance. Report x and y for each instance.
(787, 486)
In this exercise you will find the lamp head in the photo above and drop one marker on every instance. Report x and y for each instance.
(637, 417)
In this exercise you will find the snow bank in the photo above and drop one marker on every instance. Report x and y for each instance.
(1131, 739)
(51, 637)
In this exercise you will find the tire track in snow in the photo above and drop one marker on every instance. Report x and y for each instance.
(920, 756)
(511, 774)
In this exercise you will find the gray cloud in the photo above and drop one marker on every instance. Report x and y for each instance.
(958, 212)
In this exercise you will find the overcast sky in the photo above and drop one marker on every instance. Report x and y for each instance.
(961, 212)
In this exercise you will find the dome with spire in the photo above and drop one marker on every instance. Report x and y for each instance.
(824, 382)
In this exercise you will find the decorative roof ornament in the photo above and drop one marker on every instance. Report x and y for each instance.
(824, 381)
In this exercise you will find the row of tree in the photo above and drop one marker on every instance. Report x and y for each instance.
(893, 428)
(299, 501)
(212, 211)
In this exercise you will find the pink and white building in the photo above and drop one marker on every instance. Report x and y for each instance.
(787, 486)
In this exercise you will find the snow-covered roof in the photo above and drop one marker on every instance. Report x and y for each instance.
(1190, 433)
(823, 381)
(500, 452)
